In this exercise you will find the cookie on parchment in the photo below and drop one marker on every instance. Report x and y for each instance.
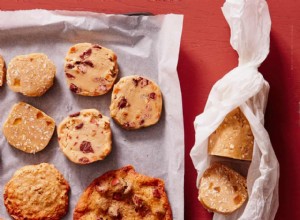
(124, 194)
(222, 189)
(28, 128)
(37, 192)
(136, 102)
(90, 69)
(2, 71)
(31, 75)
(85, 136)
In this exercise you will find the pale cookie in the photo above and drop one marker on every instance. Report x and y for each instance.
(124, 194)
(2, 71)
(37, 192)
(28, 128)
(31, 75)
(90, 69)
(85, 136)
(222, 189)
(136, 102)
(233, 138)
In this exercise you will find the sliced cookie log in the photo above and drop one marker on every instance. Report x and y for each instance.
(90, 69)
(2, 71)
(222, 189)
(124, 194)
(31, 75)
(136, 102)
(28, 128)
(37, 192)
(233, 138)
(85, 137)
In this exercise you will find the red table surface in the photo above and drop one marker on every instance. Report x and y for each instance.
(205, 56)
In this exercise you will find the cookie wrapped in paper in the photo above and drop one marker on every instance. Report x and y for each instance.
(245, 88)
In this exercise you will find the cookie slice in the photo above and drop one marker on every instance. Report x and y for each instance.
(90, 69)
(85, 137)
(2, 71)
(124, 194)
(37, 192)
(136, 102)
(233, 138)
(31, 75)
(222, 189)
(28, 128)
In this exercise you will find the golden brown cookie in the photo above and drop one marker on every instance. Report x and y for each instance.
(124, 194)
(31, 75)
(233, 138)
(136, 102)
(90, 69)
(37, 192)
(222, 189)
(2, 71)
(28, 128)
(85, 136)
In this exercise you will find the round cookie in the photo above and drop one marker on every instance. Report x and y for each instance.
(124, 194)
(31, 75)
(2, 71)
(136, 102)
(222, 189)
(85, 136)
(90, 69)
(28, 128)
(37, 192)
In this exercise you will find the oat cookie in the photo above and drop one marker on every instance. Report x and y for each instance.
(85, 136)
(222, 189)
(31, 75)
(90, 69)
(28, 128)
(124, 194)
(37, 192)
(233, 138)
(2, 71)
(136, 102)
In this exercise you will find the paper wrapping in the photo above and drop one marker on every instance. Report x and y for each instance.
(244, 86)
(146, 46)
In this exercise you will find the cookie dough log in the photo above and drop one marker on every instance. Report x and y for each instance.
(136, 102)
(124, 194)
(31, 75)
(90, 69)
(233, 138)
(85, 137)
(37, 192)
(2, 71)
(28, 128)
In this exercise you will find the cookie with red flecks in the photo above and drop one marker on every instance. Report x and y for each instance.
(136, 102)
(124, 194)
(90, 69)
(85, 137)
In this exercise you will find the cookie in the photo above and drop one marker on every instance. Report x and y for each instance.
(2, 71)
(90, 69)
(124, 194)
(37, 192)
(233, 138)
(31, 75)
(222, 189)
(136, 102)
(85, 137)
(28, 128)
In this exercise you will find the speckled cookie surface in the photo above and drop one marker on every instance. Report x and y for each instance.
(85, 136)
(90, 69)
(2, 71)
(37, 192)
(136, 102)
(28, 128)
(124, 194)
(31, 75)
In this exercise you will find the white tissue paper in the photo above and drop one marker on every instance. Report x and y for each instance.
(244, 86)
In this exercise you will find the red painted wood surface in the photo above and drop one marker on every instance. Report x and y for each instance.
(205, 56)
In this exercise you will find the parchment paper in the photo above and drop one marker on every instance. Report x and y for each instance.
(244, 86)
(146, 46)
